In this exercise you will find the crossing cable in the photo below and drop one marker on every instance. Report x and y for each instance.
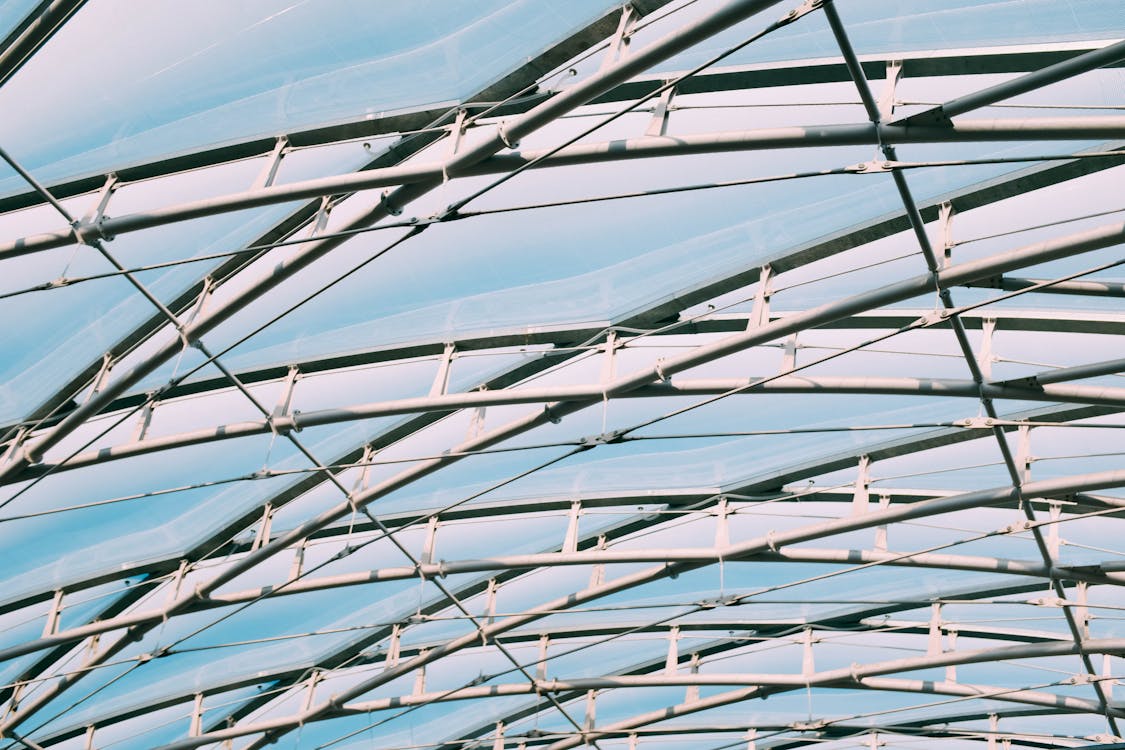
(858, 76)
(1018, 292)
(1006, 530)
(63, 282)
(108, 652)
(790, 18)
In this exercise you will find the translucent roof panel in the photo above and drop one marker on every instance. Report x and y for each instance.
(437, 377)
(227, 71)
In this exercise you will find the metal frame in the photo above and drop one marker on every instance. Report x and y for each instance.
(1108, 128)
(25, 459)
(1005, 59)
(32, 33)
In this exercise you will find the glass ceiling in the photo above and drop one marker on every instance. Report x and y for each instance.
(675, 374)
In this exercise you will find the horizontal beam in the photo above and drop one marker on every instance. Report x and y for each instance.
(1061, 321)
(973, 563)
(820, 316)
(1057, 703)
(763, 631)
(1029, 129)
(982, 498)
(1060, 71)
(940, 727)
(824, 385)
(770, 484)
(391, 203)
(895, 292)
(915, 64)
(903, 290)
(394, 201)
(359, 653)
(863, 676)
(734, 552)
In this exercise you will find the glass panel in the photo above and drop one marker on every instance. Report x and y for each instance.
(227, 72)
(879, 27)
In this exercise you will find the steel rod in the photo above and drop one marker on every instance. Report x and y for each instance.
(1023, 84)
(1109, 127)
(1039, 390)
(393, 202)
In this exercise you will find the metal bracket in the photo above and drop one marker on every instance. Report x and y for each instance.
(262, 538)
(808, 665)
(802, 10)
(102, 376)
(490, 602)
(428, 545)
(597, 574)
(88, 229)
(476, 422)
(320, 221)
(591, 710)
(933, 645)
(457, 130)
(609, 362)
(789, 359)
(862, 486)
(692, 693)
(541, 663)
(722, 525)
(932, 318)
(945, 216)
(365, 468)
(314, 678)
(204, 296)
(951, 670)
(1107, 681)
(298, 561)
(760, 313)
(619, 44)
(145, 419)
(605, 438)
(195, 727)
(269, 172)
(16, 444)
(887, 97)
(570, 540)
(393, 649)
(441, 380)
(986, 357)
(281, 410)
(1053, 541)
(1024, 459)
(388, 206)
(672, 660)
(1082, 612)
(881, 529)
(52, 624)
(95, 215)
(658, 125)
(874, 166)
